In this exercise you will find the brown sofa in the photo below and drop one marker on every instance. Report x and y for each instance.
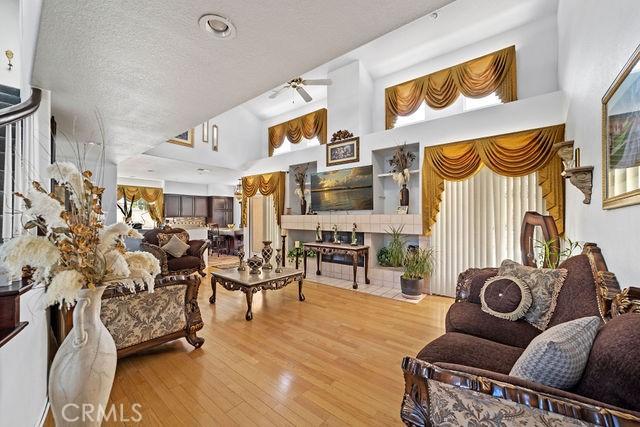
(472, 360)
(191, 262)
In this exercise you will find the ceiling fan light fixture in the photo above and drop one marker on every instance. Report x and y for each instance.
(219, 26)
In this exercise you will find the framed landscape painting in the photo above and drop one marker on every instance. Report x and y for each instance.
(185, 139)
(621, 138)
(344, 151)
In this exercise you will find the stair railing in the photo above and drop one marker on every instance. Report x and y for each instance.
(20, 159)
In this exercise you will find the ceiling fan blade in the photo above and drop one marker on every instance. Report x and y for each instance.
(317, 82)
(304, 94)
(277, 92)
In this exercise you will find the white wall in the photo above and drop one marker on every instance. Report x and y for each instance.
(29, 27)
(239, 140)
(23, 366)
(10, 40)
(536, 61)
(596, 39)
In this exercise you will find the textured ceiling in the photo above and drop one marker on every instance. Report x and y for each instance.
(151, 72)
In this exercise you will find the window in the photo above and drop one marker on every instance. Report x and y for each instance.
(462, 104)
(139, 213)
(287, 146)
(479, 224)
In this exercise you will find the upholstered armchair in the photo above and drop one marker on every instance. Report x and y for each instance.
(141, 320)
(191, 262)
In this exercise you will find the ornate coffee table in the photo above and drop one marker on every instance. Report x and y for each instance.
(234, 280)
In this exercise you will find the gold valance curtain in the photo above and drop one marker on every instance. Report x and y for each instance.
(512, 154)
(153, 196)
(268, 183)
(495, 72)
(309, 126)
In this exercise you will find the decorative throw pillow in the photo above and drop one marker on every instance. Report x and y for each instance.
(505, 297)
(545, 285)
(557, 357)
(163, 238)
(175, 247)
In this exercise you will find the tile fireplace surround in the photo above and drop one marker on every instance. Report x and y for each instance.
(374, 227)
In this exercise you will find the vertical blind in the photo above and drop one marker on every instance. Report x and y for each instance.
(479, 224)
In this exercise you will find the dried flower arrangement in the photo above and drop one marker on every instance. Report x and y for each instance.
(73, 249)
(401, 163)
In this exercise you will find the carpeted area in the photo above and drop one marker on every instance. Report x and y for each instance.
(223, 261)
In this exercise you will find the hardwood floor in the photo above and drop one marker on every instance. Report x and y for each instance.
(333, 359)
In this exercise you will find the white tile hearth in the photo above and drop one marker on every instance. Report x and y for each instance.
(392, 292)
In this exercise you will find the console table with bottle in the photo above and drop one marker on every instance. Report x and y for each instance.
(325, 248)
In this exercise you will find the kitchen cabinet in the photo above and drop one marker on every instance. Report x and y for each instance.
(186, 206)
(201, 208)
(221, 210)
(171, 205)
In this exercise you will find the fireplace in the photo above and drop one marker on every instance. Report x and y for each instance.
(345, 238)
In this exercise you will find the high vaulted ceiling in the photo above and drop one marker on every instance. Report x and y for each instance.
(150, 71)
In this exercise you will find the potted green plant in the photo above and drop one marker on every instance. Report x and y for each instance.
(418, 266)
(396, 246)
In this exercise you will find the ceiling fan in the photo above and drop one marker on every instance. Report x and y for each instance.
(298, 84)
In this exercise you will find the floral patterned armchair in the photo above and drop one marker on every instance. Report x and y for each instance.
(141, 320)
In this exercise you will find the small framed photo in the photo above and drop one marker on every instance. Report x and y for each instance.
(185, 139)
(205, 131)
(402, 210)
(345, 151)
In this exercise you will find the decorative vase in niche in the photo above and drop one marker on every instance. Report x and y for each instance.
(303, 206)
(83, 369)
(404, 195)
(254, 263)
(267, 253)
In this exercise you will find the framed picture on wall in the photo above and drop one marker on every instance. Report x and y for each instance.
(344, 151)
(621, 138)
(185, 139)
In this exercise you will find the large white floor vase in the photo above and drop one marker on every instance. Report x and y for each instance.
(84, 367)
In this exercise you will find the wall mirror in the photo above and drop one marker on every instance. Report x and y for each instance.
(621, 138)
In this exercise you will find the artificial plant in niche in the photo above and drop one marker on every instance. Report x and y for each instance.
(400, 168)
(300, 177)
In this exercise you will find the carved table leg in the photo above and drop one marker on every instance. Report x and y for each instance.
(318, 262)
(249, 294)
(304, 262)
(300, 294)
(212, 298)
(354, 257)
(366, 268)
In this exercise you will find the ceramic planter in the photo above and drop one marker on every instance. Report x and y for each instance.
(411, 288)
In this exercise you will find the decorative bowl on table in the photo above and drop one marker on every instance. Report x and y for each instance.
(231, 226)
(254, 263)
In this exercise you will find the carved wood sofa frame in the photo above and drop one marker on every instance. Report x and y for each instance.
(417, 373)
(188, 306)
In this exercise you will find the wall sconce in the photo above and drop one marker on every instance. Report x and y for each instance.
(9, 55)
(214, 137)
(205, 131)
(580, 176)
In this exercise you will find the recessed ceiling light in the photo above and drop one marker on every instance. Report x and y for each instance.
(434, 15)
(217, 25)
